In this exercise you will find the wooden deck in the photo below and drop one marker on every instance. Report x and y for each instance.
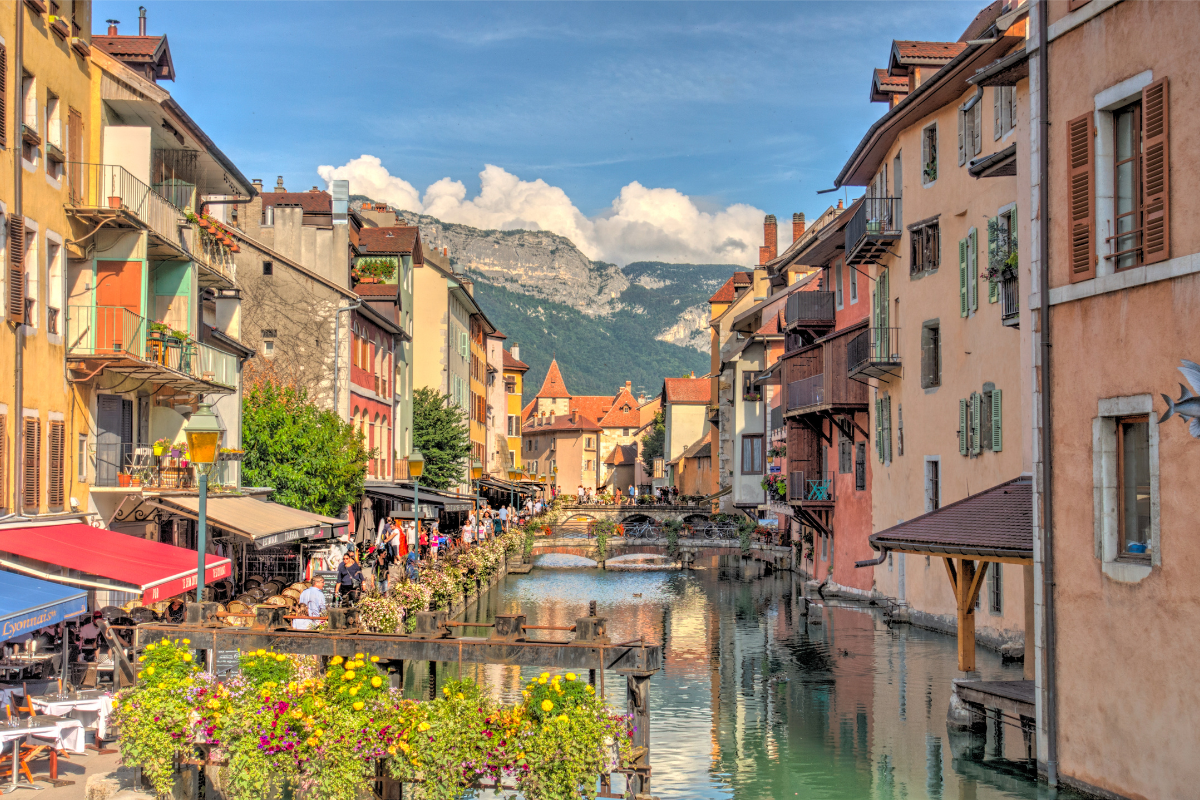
(1012, 697)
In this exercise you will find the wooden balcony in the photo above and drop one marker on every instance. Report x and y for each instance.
(873, 229)
(818, 379)
(810, 309)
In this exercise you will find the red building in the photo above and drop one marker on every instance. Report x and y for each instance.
(373, 339)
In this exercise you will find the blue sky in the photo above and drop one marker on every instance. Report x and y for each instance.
(749, 106)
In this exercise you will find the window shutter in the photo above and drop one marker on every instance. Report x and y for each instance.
(16, 268)
(3, 96)
(1080, 155)
(997, 436)
(997, 94)
(1156, 179)
(962, 277)
(4, 461)
(32, 489)
(973, 268)
(879, 428)
(976, 408)
(962, 427)
(993, 228)
(962, 138)
(924, 153)
(55, 494)
(887, 429)
(977, 128)
(883, 299)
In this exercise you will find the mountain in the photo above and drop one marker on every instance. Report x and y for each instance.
(605, 324)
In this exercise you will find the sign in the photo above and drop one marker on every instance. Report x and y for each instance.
(330, 585)
(226, 662)
(776, 469)
(270, 540)
(34, 618)
(173, 586)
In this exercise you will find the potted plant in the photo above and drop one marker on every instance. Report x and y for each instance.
(124, 480)
(114, 202)
(161, 446)
(180, 336)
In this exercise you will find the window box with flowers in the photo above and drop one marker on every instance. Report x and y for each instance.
(373, 270)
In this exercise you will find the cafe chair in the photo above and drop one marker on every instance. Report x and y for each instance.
(27, 754)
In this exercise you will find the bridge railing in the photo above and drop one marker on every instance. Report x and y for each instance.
(645, 530)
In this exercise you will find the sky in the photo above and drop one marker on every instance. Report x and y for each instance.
(642, 131)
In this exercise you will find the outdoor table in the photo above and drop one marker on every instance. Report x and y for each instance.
(91, 708)
(67, 732)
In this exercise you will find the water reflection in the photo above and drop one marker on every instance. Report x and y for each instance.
(756, 700)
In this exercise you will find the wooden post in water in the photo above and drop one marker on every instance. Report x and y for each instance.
(637, 691)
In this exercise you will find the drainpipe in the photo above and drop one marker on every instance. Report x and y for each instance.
(17, 211)
(873, 562)
(1043, 57)
(337, 350)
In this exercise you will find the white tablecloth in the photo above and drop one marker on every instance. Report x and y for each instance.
(65, 734)
(90, 712)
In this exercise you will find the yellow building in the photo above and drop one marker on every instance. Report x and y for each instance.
(46, 72)
(514, 383)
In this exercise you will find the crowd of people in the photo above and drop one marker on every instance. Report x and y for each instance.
(586, 495)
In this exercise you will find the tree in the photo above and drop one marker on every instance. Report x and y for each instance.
(313, 460)
(440, 433)
(654, 442)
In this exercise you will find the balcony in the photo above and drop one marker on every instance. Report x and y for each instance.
(811, 309)
(874, 353)
(118, 340)
(872, 230)
(127, 465)
(806, 393)
(1010, 303)
(777, 423)
(811, 488)
(111, 195)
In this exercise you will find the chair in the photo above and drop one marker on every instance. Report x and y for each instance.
(28, 752)
(142, 464)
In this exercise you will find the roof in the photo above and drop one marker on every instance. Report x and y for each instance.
(701, 448)
(400, 240)
(923, 53)
(884, 85)
(617, 416)
(553, 385)
(27, 604)
(265, 523)
(688, 390)
(830, 240)
(140, 50)
(996, 522)
(496, 335)
(157, 570)
(562, 422)
(728, 290)
(511, 363)
(778, 297)
(622, 454)
(317, 202)
(376, 289)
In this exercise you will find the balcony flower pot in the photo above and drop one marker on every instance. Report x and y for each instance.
(114, 202)
(135, 481)
(124, 481)
(234, 247)
(174, 452)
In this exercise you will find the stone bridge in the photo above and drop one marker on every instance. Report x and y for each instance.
(622, 514)
(708, 553)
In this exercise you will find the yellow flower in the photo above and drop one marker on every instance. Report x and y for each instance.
(187, 656)
(140, 674)
(562, 718)
(358, 706)
(187, 641)
(281, 657)
(260, 652)
(348, 675)
(358, 655)
(374, 659)
(570, 676)
(392, 750)
(336, 660)
(115, 702)
(141, 658)
(424, 726)
(149, 670)
(311, 742)
(150, 646)
(404, 746)
(589, 690)
(545, 676)
(298, 713)
(446, 691)
(377, 681)
(547, 705)
(354, 691)
(542, 681)
(320, 731)
(520, 755)
(525, 694)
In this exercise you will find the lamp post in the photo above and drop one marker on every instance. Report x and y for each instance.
(476, 474)
(514, 474)
(203, 432)
(416, 465)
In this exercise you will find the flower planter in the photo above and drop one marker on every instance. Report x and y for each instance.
(174, 452)
(124, 481)
(203, 223)
(234, 248)
(158, 451)
(114, 202)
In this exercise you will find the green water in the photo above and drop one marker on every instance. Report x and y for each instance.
(756, 701)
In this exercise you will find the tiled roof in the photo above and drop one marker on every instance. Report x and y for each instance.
(553, 385)
(702, 448)
(622, 454)
(118, 46)
(617, 417)
(889, 82)
(313, 202)
(514, 364)
(728, 290)
(996, 521)
(388, 240)
(926, 51)
(594, 406)
(688, 390)
(773, 326)
(376, 289)
(562, 422)
(496, 335)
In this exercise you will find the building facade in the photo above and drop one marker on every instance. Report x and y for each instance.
(514, 384)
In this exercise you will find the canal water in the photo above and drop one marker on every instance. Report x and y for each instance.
(756, 701)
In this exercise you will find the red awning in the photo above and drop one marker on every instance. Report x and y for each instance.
(157, 570)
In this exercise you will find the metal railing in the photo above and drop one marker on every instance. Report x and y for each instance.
(114, 187)
(1010, 302)
(813, 307)
(117, 331)
(877, 216)
(806, 392)
(777, 418)
(874, 346)
(810, 487)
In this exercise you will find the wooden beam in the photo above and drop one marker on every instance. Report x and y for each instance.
(933, 554)
(967, 588)
(949, 562)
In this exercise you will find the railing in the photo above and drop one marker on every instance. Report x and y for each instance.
(400, 469)
(810, 487)
(117, 331)
(812, 307)
(131, 465)
(777, 418)
(1010, 303)
(872, 349)
(114, 187)
(806, 392)
(876, 217)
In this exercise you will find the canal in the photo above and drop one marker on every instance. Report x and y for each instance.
(756, 701)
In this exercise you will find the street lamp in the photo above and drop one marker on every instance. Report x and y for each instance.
(514, 475)
(203, 432)
(476, 474)
(416, 465)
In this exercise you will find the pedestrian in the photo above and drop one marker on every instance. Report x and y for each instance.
(434, 541)
(349, 579)
(383, 563)
(176, 611)
(503, 518)
(632, 493)
(410, 536)
(675, 494)
(423, 542)
(311, 604)
(468, 532)
(617, 493)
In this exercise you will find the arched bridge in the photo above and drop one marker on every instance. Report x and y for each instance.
(655, 514)
(702, 544)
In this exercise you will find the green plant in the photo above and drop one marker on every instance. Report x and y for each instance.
(930, 172)
(181, 336)
(672, 527)
(265, 669)
(654, 441)
(383, 268)
(745, 528)
(603, 529)
(440, 433)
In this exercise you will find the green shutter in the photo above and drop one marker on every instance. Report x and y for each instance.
(973, 268)
(879, 428)
(962, 277)
(997, 437)
(887, 429)
(962, 427)
(993, 287)
(976, 408)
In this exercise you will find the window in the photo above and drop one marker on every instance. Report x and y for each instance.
(29, 136)
(510, 385)
(995, 588)
(268, 342)
(1133, 472)
(929, 155)
(845, 453)
(1127, 134)
(933, 484)
(968, 273)
(587, 465)
(56, 474)
(514, 425)
(1004, 108)
(268, 267)
(81, 458)
(750, 392)
(31, 496)
(883, 428)
(1002, 250)
(752, 455)
(925, 241)
(824, 548)
(512, 458)
(860, 466)
(54, 288)
(54, 137)
(970, 130)
(587, 441)
(837, 282)
(32, 268)
(852, 277)
(931, 355)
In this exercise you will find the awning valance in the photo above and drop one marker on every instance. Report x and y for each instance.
(156, 570)
(432, 497)
(265, 523)
(27, 604)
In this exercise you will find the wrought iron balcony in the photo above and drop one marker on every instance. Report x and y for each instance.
(810, 309)
(810, 487)
(806, 392)
(874, 353)
(873, 228)
(1010, 300)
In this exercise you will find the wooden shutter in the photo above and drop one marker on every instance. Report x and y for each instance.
(976, 409)
(962, 277)
(993, 228)
(997, 436)
(16, 268)
(1156, 178)
(879, 428)
(962, 137)
(55, 481)
(973, 268)
(75, 157)
(977, 127)
(4, 461)
(997, 93)
(31, 494)
(1080, 215)
(3, 96)
(962, 427)
(887, 429)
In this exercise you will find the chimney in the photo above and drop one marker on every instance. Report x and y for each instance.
(839, 208)
(693, 373)
(797, 226)
(314, 189)
(629, 386)
(279, 184)
(516, 351)
(141, 20)
(112, 26)
(770, 240)
(257, 184)
(573, 418)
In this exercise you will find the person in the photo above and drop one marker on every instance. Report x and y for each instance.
(675, 494)
(410, 568)
(632, 493)
(468, 531)
(349, 578)
(410, 534)
(89, 636)
(617, 494)
(176, 611)
(423, 542)
(311, 604)
(383, 563)
(434, 541)
(504, 512)
(498, 523)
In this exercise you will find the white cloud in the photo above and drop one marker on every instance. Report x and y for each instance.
(643, 224)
